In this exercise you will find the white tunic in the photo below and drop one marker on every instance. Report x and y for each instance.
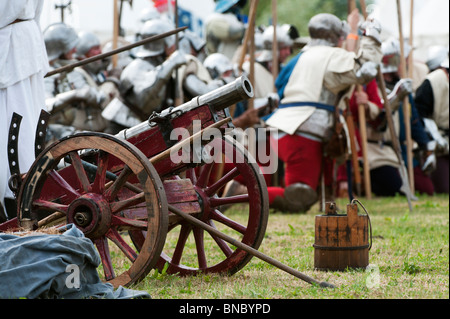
(23, 64)
(317, 68)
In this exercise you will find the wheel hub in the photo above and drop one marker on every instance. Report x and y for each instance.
(91, 214)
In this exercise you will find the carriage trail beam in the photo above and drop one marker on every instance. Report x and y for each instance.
(249, 249)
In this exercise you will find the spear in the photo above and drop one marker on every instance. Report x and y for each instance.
(406, 106)
(110, 53)
(275, 42)
(363, 135)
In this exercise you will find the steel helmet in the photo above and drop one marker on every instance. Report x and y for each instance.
(217, 64)
(327, 29)
(87, 40)
(286, 34)
(436, 55)
(149, 13)
(391, 55)
(223, 6)
(59, 38)
(152, 28)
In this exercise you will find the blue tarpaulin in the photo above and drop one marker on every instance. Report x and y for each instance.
(54, 266)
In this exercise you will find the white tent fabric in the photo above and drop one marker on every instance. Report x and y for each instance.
(430, 22)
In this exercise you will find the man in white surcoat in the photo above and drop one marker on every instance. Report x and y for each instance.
(305, 118)
(23, 64)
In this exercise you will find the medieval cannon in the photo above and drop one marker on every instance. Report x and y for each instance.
(128, 194)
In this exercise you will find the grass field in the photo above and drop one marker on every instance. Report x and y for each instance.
(409, 259)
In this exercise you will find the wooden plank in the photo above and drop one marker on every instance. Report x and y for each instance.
(179, 191)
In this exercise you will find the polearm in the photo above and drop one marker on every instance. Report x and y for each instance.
(116, 30)
(406, 106)
(394, 139)
(363, 134)
(275, 68)
(390, 122)
(179, 98)
(119, 50)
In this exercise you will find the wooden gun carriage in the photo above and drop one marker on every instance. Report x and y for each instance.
(122, 191)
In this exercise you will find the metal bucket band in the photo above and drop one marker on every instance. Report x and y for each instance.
(341, 248)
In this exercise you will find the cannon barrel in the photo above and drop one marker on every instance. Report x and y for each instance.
(218, 99)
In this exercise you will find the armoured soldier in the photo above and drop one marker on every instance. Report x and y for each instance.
(95, 72)
(264, 81)
(384, 165)
(317, 82)
(432, 101)
(147, 84)
(194, 78)
(225, 28)
(70, 98)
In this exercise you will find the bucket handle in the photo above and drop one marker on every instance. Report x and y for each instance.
(368, 217)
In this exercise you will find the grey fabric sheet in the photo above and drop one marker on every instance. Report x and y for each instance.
(47, 266)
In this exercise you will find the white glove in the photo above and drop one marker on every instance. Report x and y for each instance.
(398, 93)
(430, 163)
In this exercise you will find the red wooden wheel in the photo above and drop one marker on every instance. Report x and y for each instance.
(105, 187)
(196, 250)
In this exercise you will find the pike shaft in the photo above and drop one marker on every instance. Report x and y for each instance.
(116, 51)
(248, 249)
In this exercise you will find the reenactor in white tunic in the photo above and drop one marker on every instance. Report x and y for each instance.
(307, 114)
(23, 64)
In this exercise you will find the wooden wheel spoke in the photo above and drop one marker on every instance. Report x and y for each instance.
(216, 202)
(218, 216)
(129, 224)
(50, 206)
(213, 189)
(182, 238)
(221, 243)
(127, 203)
(103, 250)
(79, 171)
(70, 192)
(200, 246)
(100, 176)
(115, 237)
(117, 185)
(205, 172)
(192, 175)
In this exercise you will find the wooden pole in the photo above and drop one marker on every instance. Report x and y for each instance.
(394, 139)
(406, 106)
(115, 32)
(362, 125)
(179, 96)
(252, 251)
(275, 69)
(127, 47)
(411, 40)
(247, 37)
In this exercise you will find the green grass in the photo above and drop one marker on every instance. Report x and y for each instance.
(409, 258)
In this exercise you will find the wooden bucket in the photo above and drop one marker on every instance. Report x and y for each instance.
(342, 241)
